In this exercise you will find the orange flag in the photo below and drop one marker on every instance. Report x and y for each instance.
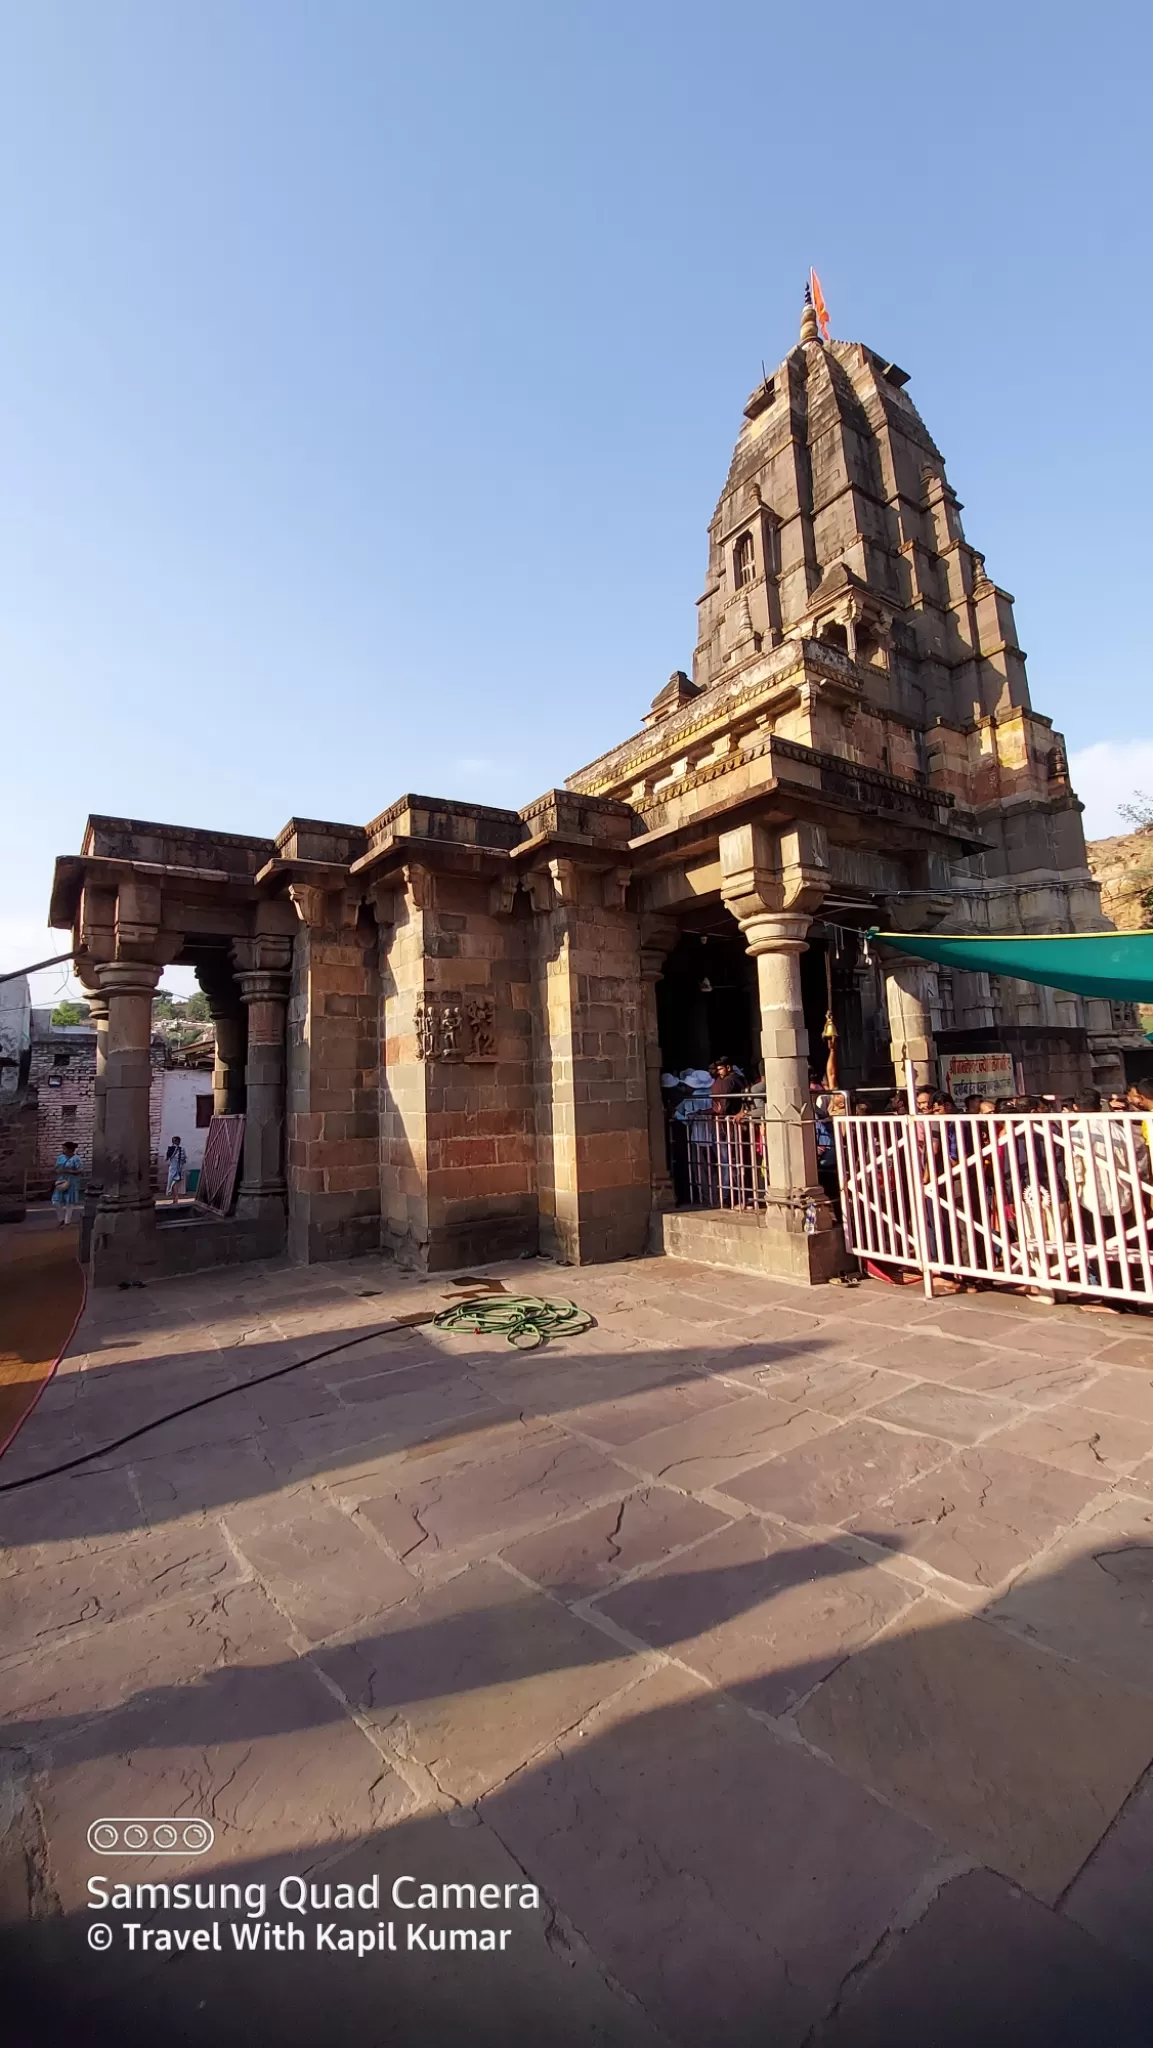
(819, 306)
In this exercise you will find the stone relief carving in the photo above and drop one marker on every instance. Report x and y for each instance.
(481, 1014)
(447, 1029)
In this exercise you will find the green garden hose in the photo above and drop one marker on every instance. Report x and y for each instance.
(527, 1320)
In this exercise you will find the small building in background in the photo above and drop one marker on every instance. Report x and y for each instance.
(62, 1074)
(15, 1033)
(17, 1101)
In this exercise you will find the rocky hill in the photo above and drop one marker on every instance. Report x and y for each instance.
(1124, 868)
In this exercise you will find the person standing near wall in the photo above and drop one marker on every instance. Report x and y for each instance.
(176, 1159)
(68, 1186)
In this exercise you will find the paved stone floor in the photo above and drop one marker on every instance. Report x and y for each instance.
(797, 1645)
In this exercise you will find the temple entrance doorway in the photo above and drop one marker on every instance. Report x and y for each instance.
(707, 1006)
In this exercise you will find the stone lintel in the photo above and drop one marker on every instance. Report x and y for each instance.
(454, 856)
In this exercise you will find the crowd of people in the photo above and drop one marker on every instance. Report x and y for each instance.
(1005, 1192)
(1000, 1190)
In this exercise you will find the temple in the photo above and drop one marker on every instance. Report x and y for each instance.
(446, 1028)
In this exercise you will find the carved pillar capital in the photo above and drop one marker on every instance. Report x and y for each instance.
(262, 967)
(127, 978)
(767, 873)
(658, 937)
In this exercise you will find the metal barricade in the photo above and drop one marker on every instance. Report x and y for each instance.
(718, 1162)
(1062, 1203)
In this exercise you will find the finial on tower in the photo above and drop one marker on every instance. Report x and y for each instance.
(809, 319)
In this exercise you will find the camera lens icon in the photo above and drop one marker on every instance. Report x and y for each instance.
(169, 1836)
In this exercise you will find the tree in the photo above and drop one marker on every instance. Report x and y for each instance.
(196, 1008)
(69, 1012)
(1140, 812)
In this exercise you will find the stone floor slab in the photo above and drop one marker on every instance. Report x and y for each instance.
(627, 1420)
(947, 1412)
(584, 1556)
(90, 1591)
(1091, 1596)
(546, 1988)
(993, 1744)
(840, 1478)
(988, 1968)
(1112, 1897)
(712, 1447)
(423, 1517)
(1128, 1351)
(476, 1675)
(925, 1356)
(174, 1484)
(59, 1517)
(319, 1566)
(49, 1688)
(1070, 1335)
(1122, 1391)
(1023, 1376)
(980, 1516)
(727, 1880)
(841, 1388)
(264, 1752)
(763, 1614)
(1082, 1439)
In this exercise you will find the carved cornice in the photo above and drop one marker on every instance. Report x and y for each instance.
(723, 702)
(839, 777)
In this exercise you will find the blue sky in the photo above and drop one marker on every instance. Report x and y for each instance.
(368, 373)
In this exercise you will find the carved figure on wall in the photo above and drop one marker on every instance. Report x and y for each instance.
(447, 1029)
(481, 1014)
(426, 1032)
(450, 1023)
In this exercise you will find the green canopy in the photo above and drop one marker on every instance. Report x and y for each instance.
(1118, 964)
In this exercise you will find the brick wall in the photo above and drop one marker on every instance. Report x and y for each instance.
(65, 1093)
(66, 1111)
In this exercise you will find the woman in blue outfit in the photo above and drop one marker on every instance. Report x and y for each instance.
(68, 1186)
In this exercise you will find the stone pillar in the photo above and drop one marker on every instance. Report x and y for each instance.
(910, 1019)
(125, 1224)
(657, 942)
(228, 1069)
(98, 1017)
(262, 975)
(230, 1032)
(910, 984)
(776, 943)
(772, 882)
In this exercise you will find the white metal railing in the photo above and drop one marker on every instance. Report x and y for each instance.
(1062, 1203)
(718, 1162)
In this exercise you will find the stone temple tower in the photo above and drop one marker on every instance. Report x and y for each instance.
(446, 1028)
(842, 595)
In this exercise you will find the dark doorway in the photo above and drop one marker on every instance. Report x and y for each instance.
(707, 1005)
(835, 967)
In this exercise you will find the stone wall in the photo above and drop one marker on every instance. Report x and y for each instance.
(18, 1142)
(590, 1080)
(332, 1162)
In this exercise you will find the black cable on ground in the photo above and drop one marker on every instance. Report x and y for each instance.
(513, 1316)
(261, 1379)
